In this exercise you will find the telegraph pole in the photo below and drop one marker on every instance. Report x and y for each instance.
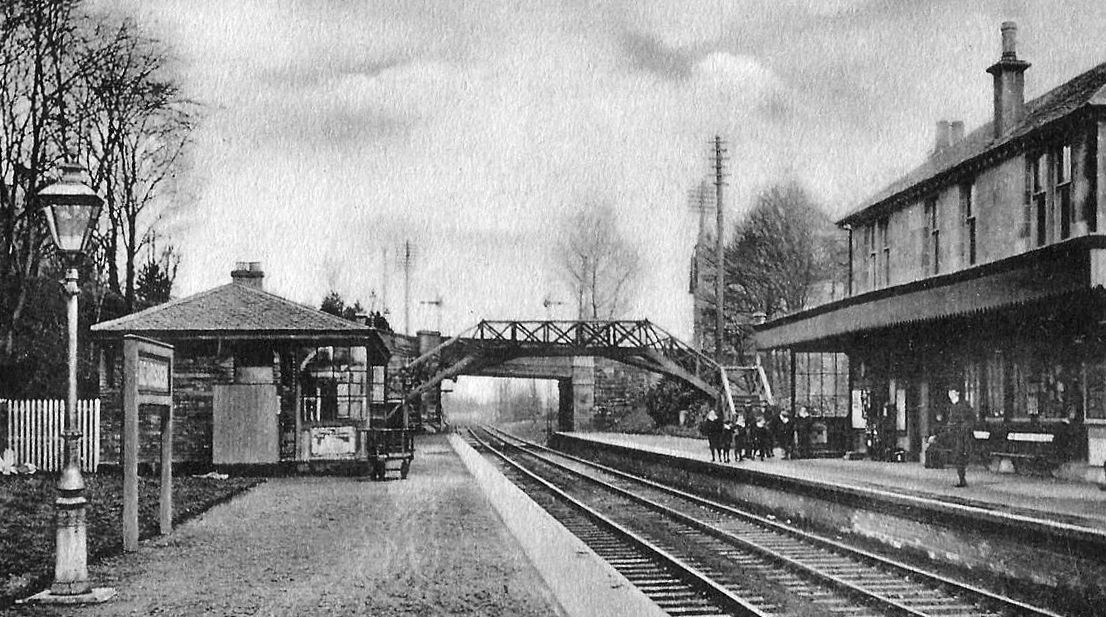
(719, 250)
(407, 261)
(384, 265)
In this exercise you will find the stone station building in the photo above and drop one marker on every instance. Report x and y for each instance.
(983, 269)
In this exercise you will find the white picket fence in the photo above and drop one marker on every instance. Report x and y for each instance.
(35, 428)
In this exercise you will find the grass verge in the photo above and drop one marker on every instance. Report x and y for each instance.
(27, 520)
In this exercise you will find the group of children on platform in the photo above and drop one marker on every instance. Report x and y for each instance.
(757, 434)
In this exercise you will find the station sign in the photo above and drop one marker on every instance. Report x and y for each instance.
(153, 374)
(147, 382)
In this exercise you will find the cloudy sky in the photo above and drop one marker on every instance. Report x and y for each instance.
(335, 130)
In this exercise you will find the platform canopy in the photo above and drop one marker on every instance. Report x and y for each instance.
(1016, 283)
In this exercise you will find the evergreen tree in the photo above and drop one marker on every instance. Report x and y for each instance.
(333, 304)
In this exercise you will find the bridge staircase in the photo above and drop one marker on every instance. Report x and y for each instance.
(746, 389)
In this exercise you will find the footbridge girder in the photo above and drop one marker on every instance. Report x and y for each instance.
(490, 344)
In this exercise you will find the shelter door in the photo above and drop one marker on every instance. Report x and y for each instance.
(244, 428)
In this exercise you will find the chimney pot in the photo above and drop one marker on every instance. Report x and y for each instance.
(1009, 40)
(248, 273)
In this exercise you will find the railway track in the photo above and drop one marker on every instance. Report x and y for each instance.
(764, 567)
(676, 587)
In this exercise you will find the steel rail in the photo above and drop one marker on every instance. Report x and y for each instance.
(833, 545)
(729, 601)
(864, 595)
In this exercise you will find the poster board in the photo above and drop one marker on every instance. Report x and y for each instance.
(859, 400)
(333, 441)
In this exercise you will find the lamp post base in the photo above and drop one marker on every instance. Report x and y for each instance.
(94, 596)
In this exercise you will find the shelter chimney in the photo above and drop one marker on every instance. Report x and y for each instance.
(941, 140)
(1009, 80)
(956, 132)
(248, 273)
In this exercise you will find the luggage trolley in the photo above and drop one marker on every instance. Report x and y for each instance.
(388, 444)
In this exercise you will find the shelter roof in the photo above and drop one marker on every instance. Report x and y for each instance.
(233, 310)
(1085, 90)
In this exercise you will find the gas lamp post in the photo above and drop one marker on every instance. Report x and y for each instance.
(71, 208)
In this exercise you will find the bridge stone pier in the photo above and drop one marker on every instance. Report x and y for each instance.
(575, 376)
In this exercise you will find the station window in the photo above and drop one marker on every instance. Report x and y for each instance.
(822, 383)
(377, 389)
(1038, 198)
(1095, 372)
(335, 384)
(1062, 176)
(884, 242)
(967, 211)
(931, 250)
(870, 246)
(1045, 386)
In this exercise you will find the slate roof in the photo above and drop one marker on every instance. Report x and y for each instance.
(1085, 90)
(234, 308)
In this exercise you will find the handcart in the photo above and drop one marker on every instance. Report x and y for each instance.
(383, 445)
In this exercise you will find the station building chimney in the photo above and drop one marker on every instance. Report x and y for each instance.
(1009, 81)
(248, 273)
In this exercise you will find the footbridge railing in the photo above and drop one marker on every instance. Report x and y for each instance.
(638, 343)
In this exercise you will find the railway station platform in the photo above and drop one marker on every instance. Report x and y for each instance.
(1047, 500)
(1008, 530)
(453, 538)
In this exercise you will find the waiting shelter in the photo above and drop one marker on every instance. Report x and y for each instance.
(257, 379)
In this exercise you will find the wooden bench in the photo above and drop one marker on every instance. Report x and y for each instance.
(1035, 449)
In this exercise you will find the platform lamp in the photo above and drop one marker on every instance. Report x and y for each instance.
(71, 208)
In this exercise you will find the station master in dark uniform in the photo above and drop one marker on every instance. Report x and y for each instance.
(961, 419)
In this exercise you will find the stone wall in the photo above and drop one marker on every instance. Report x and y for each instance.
(619, 388)
(195, 374)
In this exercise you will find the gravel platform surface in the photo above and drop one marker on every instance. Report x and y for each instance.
(429, 545)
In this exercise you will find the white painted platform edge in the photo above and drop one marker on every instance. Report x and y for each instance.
(584, 584)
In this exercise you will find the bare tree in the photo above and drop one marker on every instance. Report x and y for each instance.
(135, 133)
(600, 266)
(74, 84)
(35, 78)
(783, 247)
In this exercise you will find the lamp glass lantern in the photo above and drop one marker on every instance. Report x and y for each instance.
(71, 209)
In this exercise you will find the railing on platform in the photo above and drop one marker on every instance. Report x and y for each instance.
(34, 432)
